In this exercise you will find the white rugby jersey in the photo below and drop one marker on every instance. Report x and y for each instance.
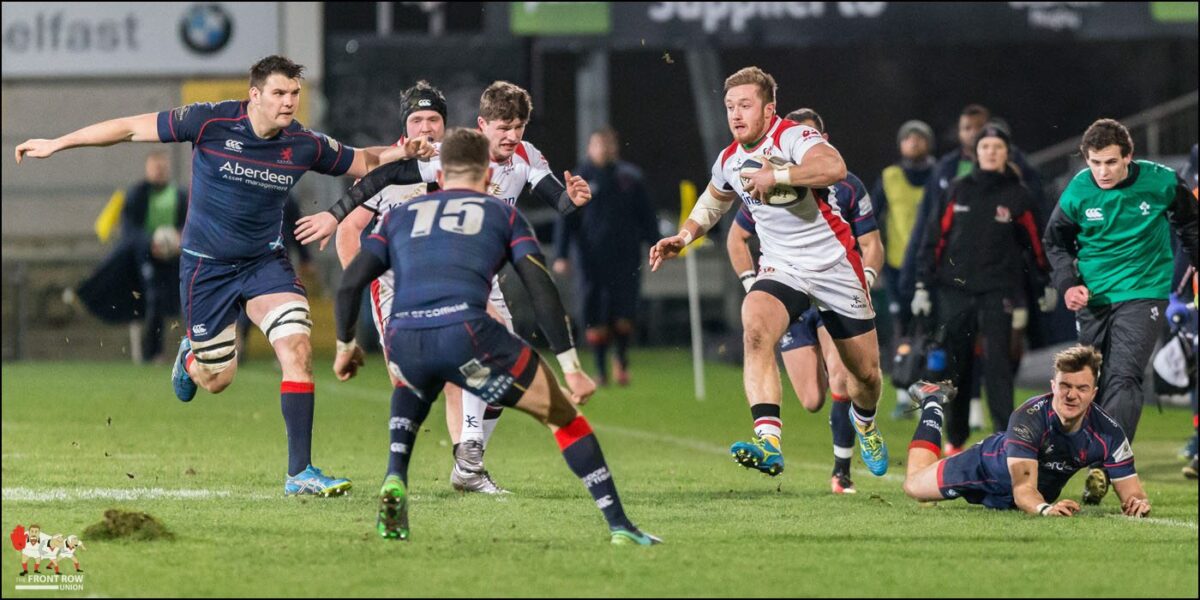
(526, 165)
(394, 195)
(811, 234)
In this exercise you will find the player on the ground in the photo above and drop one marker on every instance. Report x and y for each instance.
(808, 259)
(443, 249)
(807, 343)
(246, 156)
(504, 111)
(424, 116)
(1049, 439)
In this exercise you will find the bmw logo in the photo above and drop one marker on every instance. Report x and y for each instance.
(206, 28)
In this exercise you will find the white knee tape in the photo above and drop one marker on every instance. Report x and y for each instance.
(217, 354)
(290, 318)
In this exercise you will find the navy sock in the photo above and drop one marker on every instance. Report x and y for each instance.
(622, 346)
(843, 434)
(929, 429)
(408, 413)
(600, 355)
(582, 453)
(296, 400)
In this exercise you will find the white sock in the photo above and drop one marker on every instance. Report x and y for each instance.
(769, 426)
(489, 426)
(472, 424)
(843, 453)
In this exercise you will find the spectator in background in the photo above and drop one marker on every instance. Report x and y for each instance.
(898, 195)
(972, 257)
(607, 234)
(951, 166)
(138, 283)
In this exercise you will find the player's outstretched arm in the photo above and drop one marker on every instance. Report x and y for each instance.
(1026, 495)
(139, 128)
(364, 269)
(1134, 502)
(319, 226)
(554, 323)
(349, 233)
(710, 207)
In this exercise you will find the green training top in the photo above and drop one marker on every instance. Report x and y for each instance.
(1124, 238)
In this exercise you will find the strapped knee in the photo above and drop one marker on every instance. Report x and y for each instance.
(289, 318)
(217, 354)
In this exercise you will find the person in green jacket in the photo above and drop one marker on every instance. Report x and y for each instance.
(1109, 246)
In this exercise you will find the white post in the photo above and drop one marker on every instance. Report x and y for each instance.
(693, 285)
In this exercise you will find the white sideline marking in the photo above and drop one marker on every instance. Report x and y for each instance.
(24, 494)
(1157, 521)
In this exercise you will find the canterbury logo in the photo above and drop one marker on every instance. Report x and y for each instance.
(1094, 214)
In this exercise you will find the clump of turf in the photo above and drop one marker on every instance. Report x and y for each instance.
(125, 525)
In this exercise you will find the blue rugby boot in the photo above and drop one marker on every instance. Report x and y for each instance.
(761, 453)
(185, 388)
(312, 482)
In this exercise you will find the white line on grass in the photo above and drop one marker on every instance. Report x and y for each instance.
(24, 494)
(1157, 521)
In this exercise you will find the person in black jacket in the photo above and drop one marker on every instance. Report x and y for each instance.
(975, 257)
(607, 235)
(138, 283)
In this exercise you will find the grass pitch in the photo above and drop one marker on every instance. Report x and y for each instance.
(81, 438)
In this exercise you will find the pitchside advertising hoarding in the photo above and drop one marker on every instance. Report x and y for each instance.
(681, 24)
(81, 39)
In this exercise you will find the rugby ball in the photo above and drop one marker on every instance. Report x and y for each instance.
(780, 195)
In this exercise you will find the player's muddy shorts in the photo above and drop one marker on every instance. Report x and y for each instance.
(478, 355)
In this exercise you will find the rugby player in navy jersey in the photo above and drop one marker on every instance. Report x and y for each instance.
(1049, 439)
(246, 156)
(444, 248)
(504, 111)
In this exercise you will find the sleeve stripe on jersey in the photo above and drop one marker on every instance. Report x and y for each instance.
(1019, 442)
(1122, 478)
(377, 237)
(252, 161)
(1120, 464)
(171, 125)
(523, 238)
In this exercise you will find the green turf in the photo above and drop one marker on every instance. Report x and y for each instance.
(728, 532)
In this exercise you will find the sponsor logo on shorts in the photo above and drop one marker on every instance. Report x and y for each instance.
(199, 330)
(430, 313)
(476, 373)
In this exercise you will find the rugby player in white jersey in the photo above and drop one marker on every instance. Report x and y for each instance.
(808, 259)
(504, 112)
